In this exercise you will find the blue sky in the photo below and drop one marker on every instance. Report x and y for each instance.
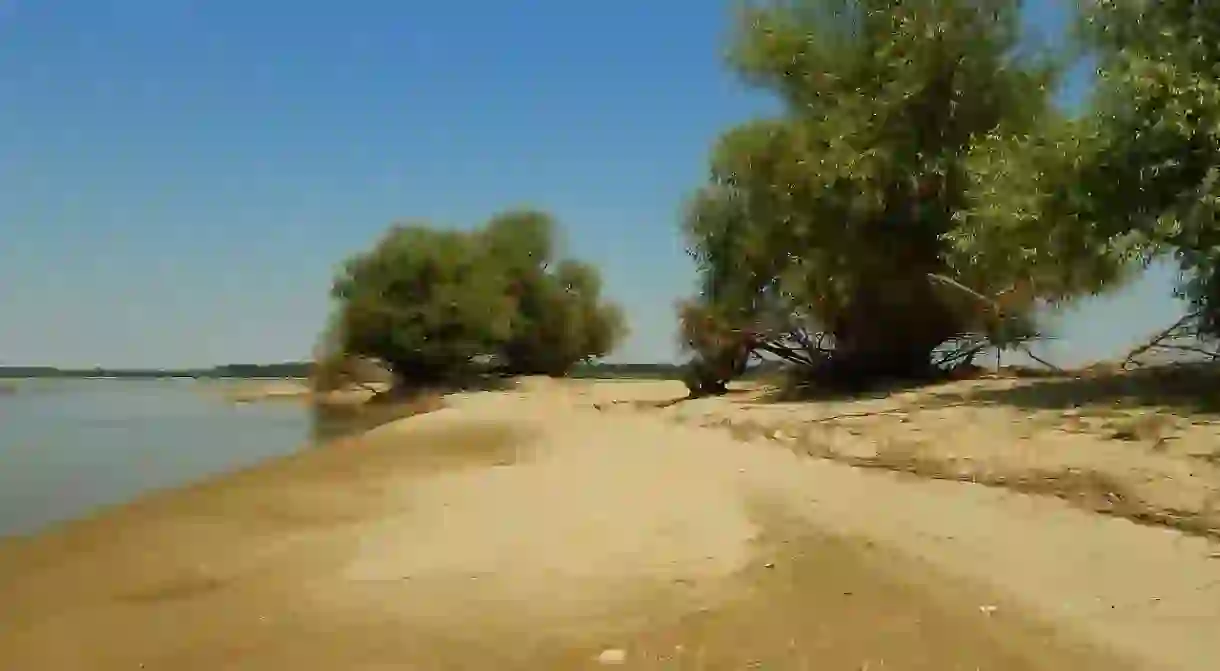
(179, 178)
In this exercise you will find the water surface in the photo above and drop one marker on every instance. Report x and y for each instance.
(69, 447)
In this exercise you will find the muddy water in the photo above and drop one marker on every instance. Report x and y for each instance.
(248, 572)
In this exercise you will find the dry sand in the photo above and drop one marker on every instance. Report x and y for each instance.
(1144, 446)
(528, 530)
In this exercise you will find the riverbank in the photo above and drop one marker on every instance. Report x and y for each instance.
(252, 391)
(1143, 446)
(528, 530)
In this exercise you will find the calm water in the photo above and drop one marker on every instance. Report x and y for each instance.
(69, 447)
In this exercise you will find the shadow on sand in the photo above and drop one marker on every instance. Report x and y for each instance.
(1185, 388)
(1192, 389)
(335, 421)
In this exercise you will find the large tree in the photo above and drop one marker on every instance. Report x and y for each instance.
(1153, 175)
(430, 304)
(841, 234)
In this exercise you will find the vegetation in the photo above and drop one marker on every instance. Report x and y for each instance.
(920, 198)
(438, 306)
(1142, 168)
(559, 318)
(1155, 169)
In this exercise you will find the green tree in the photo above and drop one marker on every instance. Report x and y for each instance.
(430, 304)
(425, 302)
(560, 317)
(592, 326)
(1152, 175)
(852, 233)
(334, 368)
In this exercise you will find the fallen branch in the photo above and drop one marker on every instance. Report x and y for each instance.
(961, 354)
(1029, 353)
(1157, 341)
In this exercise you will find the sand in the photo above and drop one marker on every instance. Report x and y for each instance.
(530, 530)
(1141, 446)
(254, 391)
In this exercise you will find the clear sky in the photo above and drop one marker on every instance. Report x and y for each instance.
(179, 178)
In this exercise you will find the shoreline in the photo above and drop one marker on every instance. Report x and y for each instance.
(667, 539)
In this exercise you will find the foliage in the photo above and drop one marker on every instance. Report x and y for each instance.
(822, 233)
(335, 369)
(560, 316)
(425, 301)
(1154, 178)
(430, 304)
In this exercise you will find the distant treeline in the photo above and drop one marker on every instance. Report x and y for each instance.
(303, 369)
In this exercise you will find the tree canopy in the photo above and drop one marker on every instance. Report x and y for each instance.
(431, 304)
(1155, 172)
(857, 232)
(1138, 172)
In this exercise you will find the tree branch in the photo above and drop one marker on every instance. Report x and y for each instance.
(1160, 337)
(1030, 353)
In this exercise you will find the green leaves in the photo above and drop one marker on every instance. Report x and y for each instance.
(917, 140)
(427, 301)
(1158, 112)
(522, 238)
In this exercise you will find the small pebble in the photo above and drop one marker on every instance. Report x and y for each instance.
(987, 610)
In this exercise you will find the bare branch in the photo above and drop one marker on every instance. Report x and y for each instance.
(1157, 340)
(1029, 353)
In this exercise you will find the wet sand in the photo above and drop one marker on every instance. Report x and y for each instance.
(519, 530)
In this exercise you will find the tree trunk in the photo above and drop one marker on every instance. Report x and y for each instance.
(862, 361)
(709, 375)
(890, 335)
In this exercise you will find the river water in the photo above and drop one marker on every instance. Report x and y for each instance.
(69, 447)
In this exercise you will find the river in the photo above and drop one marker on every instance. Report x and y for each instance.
(69, 447)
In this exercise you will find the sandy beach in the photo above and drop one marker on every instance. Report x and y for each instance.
(573, 525)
